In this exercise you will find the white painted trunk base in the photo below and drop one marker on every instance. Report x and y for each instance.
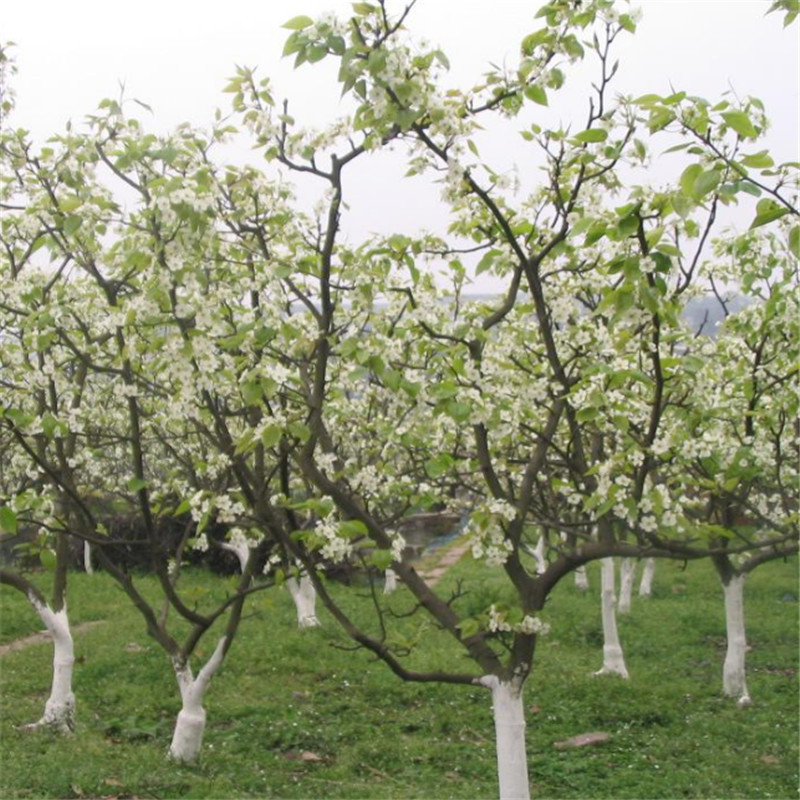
(509, 726)
(733, 670)
(390, 581)
(627, 570)
(581, 579)
(240, 550)
(305, 599)
(187, 739)
(59, 710)
(87, 558)
(613, 660)
(538, 554)
(646, 585)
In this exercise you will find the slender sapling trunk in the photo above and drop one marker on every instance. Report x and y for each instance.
(613, 660)
(305, 600)
(646, 585)
(626, 573)
(390, 581)
(87, 558)
(59, 710)
(733, 671)
(581, 579)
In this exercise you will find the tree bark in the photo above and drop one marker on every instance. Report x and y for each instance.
(390, 582)
(509, 726)
(733, 670)
(305, 600)
(581, 579)
(646, 585)
(538, 554)
(613, 660)
(626, 573)
(187, 739)
(59, 710)
(87, 558)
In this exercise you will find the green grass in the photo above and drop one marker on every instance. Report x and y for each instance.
(283, 693)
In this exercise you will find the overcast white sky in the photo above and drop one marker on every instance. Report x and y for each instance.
(175, 55)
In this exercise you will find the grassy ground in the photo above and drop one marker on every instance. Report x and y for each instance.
(291, 716)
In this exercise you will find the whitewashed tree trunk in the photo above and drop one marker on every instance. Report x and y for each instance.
(59, 710)
(626, 573)
(509, 726)
(613, 660)
(305, 600)
(733, 671)
(646, 585)
(538, 554)
(581, 578)
(242, 552)
(187, 739)
(87, 558)
(390, 582)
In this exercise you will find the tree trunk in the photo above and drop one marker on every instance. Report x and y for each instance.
(59, 710)
(613, 660)
(646, 585)
(509, 726)
(241, 551)
(87, 558)
(581, 579)
(187, 739)
(538, 554)
(390, 582)
(626, 573)
(305, 600)
(733, 671)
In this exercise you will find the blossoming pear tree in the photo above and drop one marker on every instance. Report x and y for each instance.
(744, 450)
(251, 363)
(103, 425)
(561, 401)
(30, 371)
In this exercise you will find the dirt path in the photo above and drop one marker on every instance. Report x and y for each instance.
(43, 637)
(433, 574)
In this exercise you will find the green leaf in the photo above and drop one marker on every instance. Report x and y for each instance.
(794, 241)
(8, 520)
(70, 203)
(761, 160)
(184, 508)
(353, 529)
(392, 379)
(436, 467)
(688, 177)
(706, 182)
(316, 53)
(300, 431)
(460, 412)
(381, 559)
(740, 122)
(298, 23)
(537, 94)
(660, 118)
(486, 261)
(252, 392)
(136, 484)
(591, 135)
(768, 211)
(71, 224)
(271, 436)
